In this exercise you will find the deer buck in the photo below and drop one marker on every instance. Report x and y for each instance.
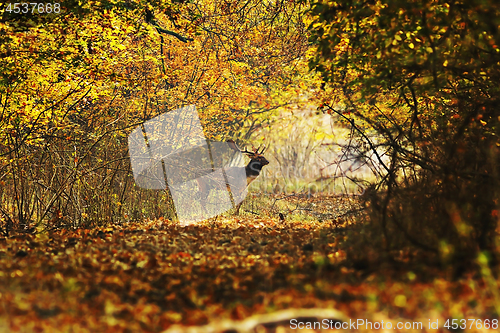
(251, 171)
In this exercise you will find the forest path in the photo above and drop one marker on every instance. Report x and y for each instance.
(149, 276)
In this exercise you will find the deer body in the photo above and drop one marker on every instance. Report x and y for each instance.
(251, 171)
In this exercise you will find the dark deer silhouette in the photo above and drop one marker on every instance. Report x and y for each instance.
(251, 170)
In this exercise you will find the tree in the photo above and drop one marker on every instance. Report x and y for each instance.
(422, 76)
(74, 83)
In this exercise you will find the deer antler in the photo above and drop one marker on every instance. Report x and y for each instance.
(233, 146)
(257, 152)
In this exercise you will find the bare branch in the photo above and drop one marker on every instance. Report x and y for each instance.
(172, 33)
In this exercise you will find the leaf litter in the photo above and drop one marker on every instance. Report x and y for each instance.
(158, 275)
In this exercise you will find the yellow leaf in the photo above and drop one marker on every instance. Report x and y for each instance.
(400, 301)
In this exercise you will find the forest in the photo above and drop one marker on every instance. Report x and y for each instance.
(250, 166)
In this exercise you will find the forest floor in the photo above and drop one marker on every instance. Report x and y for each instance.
(221, 275)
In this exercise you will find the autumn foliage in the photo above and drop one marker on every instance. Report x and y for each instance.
(151, 276)
(419, 83)
(75, 84)
(405, 91)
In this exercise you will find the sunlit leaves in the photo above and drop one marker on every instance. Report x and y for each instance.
(72, 86)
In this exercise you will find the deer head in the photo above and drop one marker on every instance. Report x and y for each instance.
(257, 159)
